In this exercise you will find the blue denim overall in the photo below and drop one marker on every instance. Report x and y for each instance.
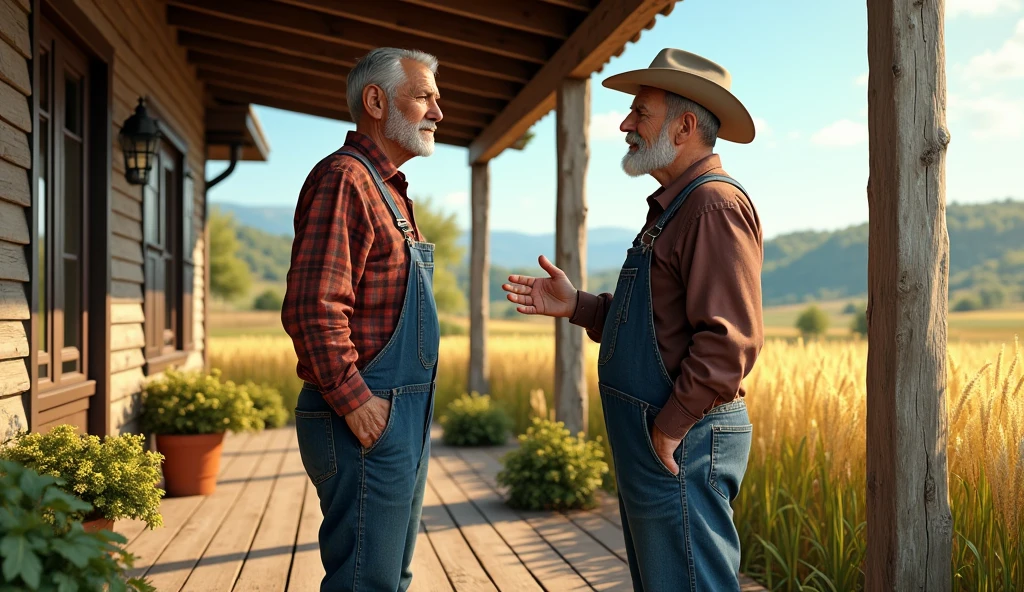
(678, 529)
(371, 498)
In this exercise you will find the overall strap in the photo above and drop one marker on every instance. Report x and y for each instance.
(400, 220)
(667, 215)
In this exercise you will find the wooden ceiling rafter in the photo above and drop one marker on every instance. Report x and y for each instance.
(532, 16)
(194, 16)
(430, 23)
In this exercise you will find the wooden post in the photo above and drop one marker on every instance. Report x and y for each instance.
(910, 527)
(479, 281)
(573, 117)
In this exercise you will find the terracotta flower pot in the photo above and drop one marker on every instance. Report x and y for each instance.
(96, 522)
(191, 462)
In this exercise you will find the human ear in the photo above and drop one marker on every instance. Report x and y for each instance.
(374, 101)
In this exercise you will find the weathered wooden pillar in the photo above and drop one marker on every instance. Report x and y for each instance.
(910, 528)
(573, 120)
(479, 307)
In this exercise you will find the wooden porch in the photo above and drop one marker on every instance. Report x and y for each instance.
(258, 531)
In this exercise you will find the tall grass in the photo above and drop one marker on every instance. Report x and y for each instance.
(801, 511)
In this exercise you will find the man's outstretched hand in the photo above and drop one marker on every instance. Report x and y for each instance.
(368, 421)
(552, 296)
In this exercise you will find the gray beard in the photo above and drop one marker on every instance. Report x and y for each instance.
(407, 134)
(648, 158)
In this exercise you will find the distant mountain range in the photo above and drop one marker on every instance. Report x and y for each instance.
(986, 254)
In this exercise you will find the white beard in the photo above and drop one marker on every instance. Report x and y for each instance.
(408, 134)
(648, 158)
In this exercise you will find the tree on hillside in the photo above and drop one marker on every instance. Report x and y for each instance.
(229, 275)
(860, 323)
(442, 230)
(812, 322)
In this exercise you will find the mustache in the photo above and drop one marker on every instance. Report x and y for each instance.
(633, 138)
(428, 125)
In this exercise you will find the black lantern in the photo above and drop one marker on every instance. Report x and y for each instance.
(139, 136)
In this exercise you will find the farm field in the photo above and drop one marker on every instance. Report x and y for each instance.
(801, 512)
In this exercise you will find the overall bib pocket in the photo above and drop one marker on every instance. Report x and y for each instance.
(623, 292)
(429, 329)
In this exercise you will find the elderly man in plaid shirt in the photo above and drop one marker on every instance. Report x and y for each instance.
(360, 311)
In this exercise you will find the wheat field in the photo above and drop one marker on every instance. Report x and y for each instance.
(801, 512)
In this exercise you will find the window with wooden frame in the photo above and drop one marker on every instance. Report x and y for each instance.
(169, 234)
(62, 307)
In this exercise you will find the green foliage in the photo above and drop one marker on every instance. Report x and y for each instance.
(553, 470)
(967, 304)
(268, 402)
(197, 403)
(474, 420)
(852, 308)
(812, 322)
(117, 476)
(449, 328)
(269, 300)
(267, 255)
(43, 547)
(860, 323)
(229, 275)
(442, 230)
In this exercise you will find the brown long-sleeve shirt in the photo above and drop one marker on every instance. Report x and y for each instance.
(706, 294)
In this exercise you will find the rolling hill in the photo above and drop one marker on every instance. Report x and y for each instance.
(986, 254)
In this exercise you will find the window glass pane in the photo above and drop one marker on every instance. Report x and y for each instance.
(68, 367)
(72, 303)
(44, 371)
(73, 195)
(170, 299)
(73, 104)
(44, 81)
(43, 211)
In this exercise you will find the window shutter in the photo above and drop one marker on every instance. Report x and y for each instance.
(188, 247)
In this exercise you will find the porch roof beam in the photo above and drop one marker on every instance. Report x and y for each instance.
(210, 49)
(426, 23)
(605, 31)
(267, 14)
(532, 16)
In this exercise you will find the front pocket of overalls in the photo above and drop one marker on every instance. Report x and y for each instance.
(392, 417)
(730, 449)
(315, 434)
(620, 304)
(429, 330)
(647, 414)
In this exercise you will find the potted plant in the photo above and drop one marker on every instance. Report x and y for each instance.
(45, 548)
(189, 412)
(116, 475)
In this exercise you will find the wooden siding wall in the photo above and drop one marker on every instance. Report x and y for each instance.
(15, 199)
(148, 63)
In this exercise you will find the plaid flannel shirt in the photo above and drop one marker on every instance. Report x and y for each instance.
(349, 266)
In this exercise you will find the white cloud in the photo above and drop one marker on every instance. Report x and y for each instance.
(605, 126)
(794, 135)
(841, 134)
(992, 117)
(862, 80)
(761, 128)
(956, 8)
(1004, 63)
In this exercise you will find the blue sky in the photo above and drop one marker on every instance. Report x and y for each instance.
(800, 66)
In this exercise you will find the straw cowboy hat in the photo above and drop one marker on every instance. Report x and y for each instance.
(698, 79)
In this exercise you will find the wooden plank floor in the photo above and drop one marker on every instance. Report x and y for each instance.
(258, 531)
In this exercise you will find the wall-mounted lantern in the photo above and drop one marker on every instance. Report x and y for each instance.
(139, 136)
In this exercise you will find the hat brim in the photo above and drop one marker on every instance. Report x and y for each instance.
(736, 123)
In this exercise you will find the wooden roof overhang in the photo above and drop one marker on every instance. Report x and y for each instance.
(501, 62)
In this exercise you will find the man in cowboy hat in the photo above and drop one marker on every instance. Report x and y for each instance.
(681, 331)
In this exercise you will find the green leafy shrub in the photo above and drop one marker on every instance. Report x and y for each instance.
(268, 403)
(268, 300)
(474, 420)
(448, 328)
(553, 470)
(117, 476)
(197, 403)
(812, 322)
(859, 324)
(44, 548)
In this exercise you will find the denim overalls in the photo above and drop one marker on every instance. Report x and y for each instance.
(678, 529)
(371, 498)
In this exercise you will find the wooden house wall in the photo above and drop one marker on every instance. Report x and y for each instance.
(15, 199)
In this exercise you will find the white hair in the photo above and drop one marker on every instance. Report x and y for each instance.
(383, 67)
(707, 123)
